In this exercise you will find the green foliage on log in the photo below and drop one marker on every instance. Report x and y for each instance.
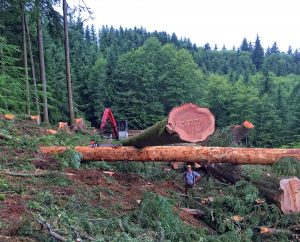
(69, 158)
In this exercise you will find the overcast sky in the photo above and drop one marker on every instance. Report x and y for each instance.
(221, 22)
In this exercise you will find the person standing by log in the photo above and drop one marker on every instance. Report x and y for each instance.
(190, 178)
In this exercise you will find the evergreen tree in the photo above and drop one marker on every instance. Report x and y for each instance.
(42, 62)
(11, 86)
(267, 123)
(258, 54)
(250, 47)
(174, 39)
(274, 49)
(22, 8)
(293, 128)
(207, 47)
(290, 51)
(268, 51)
(68, 68)
(266, 83)
(244, 45)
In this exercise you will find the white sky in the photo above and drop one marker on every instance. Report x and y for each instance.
(213, 21)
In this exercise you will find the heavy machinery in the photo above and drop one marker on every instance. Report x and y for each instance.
(119, 129)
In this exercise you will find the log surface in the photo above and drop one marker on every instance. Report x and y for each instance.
(185, 123)
(180, 154)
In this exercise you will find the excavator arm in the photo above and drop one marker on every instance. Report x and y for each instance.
(109, 115)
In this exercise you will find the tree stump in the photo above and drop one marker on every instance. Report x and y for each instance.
(9, 117)
(80, 125)
(36, 119)
(63, 126)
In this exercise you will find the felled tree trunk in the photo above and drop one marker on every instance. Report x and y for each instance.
(268, 185)
(185, 123)
(180, 154)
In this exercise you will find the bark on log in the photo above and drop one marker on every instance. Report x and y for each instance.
(180, 154)
(185, 123)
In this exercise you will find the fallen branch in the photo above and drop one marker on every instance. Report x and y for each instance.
(47, 226)
(38, 172)
(5, 136)
(194, 212)
(4, 237)
(79, 236)
(267, 230)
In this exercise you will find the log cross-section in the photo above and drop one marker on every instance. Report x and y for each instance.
(187, 123)
(180, 154)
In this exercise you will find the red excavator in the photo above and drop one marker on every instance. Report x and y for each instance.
(119, 129)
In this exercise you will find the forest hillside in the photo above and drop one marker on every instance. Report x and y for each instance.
(57, 76)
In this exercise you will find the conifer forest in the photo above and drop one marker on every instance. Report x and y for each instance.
(57, 76)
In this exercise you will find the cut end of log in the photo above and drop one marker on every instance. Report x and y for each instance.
(191, 123)
(63, 125)
(290, 199)
(247, 124)
(265, 230)
(9, 116)
(51, 131)
(36, 119)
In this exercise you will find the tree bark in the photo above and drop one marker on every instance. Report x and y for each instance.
(25, 58)
(185, 123)
(42, 64)
(181, 154)
(157, 134)
(37, 105)
(67, 62)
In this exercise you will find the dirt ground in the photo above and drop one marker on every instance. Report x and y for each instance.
(127, 189)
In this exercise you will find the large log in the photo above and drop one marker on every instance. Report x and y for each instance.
(180, 154)
(185, 123)
(269, 184)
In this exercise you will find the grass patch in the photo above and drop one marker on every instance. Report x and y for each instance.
(287, 167)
